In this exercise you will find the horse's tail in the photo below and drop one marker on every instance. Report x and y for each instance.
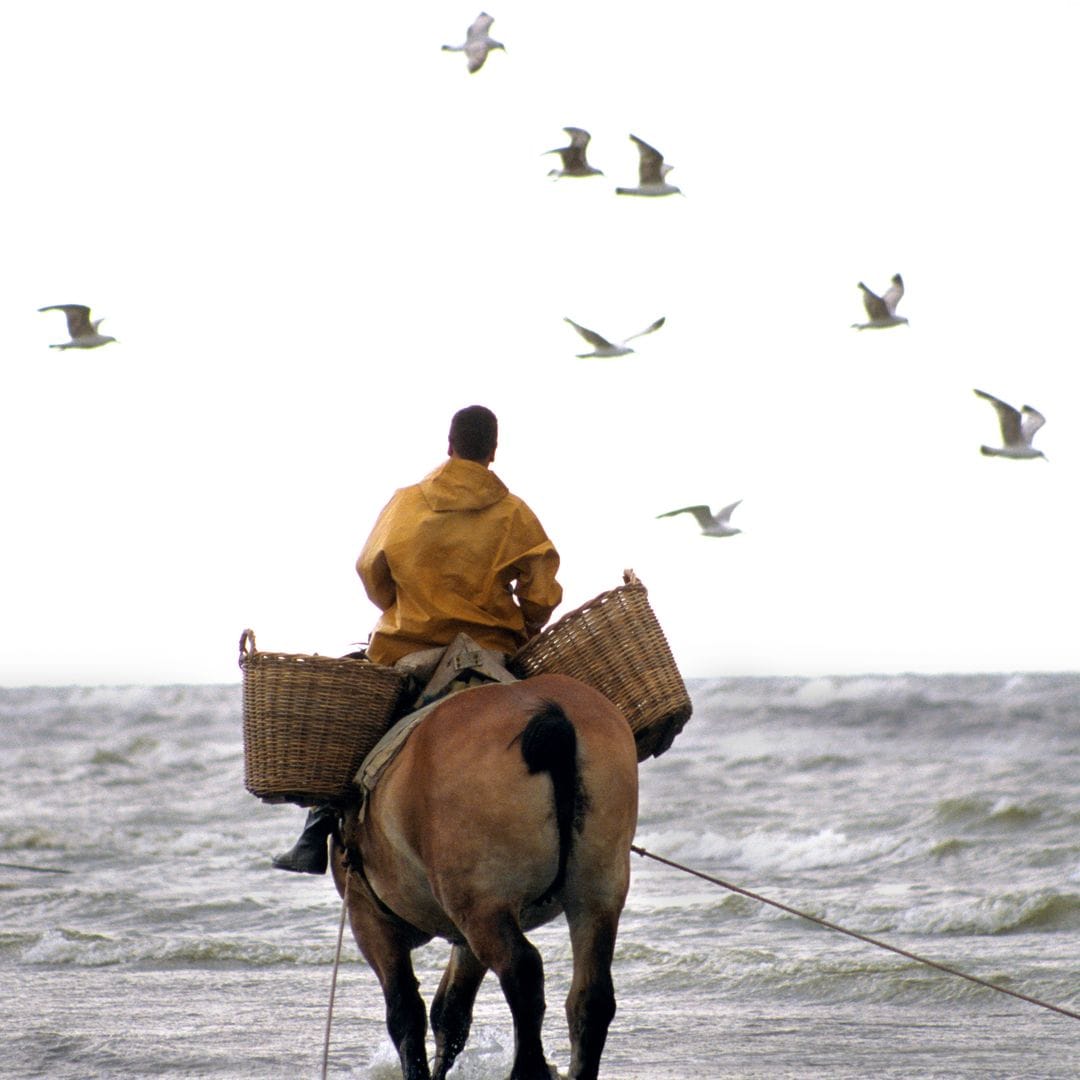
(549, 744)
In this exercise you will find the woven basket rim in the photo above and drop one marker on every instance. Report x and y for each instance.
(253, 654)
(312, 658)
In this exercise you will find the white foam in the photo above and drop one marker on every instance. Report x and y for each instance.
(769, 851)
(825, 691)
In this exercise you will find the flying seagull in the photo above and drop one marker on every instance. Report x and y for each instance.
(84, 333)
(477, 43)
(573, 156)
(711, 524)
(1018, 428)
(882, 309)
(651, 173)
(603, 347)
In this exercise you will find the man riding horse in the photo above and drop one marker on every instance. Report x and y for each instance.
(455, 553)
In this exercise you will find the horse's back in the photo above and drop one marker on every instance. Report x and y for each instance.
(473, 738)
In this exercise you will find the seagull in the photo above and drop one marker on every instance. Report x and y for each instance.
(477, 43)
(603, 347)
(573, 156)
(1018, 428)
(651, 173)
(882, 309)
(711, 524)
(84, 333)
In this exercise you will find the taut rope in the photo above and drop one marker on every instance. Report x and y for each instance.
(34, 869)
(852, 933)
(333, 980)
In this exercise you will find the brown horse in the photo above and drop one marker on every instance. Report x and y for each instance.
(508, 805)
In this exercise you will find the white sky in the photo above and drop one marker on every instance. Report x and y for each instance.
(316, 236)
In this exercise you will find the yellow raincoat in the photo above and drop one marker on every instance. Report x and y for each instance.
(457, 553)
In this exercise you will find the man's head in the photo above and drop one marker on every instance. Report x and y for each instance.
(474, 434)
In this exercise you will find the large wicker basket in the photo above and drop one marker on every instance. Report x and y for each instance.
(615, 644)
(309, 721)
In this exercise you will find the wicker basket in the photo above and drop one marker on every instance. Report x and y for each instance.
(309, 721)
(615, 644)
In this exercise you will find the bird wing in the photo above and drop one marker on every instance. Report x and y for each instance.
(722, 516)
(651, 165)
(1030, 422)
(875, 306)
(481, 25)
(573, 156)
(575, 153)
(704, 517)
(648, 330)
(892, 295)
(78, 318)
(591, 336)
(1008, 418)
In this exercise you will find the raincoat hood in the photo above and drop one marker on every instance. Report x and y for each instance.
(460, 484)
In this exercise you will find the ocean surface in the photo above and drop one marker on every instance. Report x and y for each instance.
(144, 933)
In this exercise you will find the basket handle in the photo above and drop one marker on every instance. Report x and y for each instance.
(629, 577)
(247, 646)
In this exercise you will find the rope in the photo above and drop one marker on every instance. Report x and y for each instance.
(333, 980)
(852, 933)
(34, 869)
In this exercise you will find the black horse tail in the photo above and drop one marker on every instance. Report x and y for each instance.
(549, 744)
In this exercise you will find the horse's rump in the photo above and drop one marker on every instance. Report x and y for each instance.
(486, 798)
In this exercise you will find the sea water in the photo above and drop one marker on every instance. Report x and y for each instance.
(144, 933)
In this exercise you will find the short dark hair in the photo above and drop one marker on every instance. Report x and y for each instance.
(474, 433)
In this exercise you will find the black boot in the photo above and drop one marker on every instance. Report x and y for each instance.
(309, 855)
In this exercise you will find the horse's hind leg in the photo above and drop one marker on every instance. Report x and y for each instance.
(405, 1017)
(387, 946)
(500, 945)
(590, 1005)
(452, 1007)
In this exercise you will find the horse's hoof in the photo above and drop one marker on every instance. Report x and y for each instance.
(551, 1074)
